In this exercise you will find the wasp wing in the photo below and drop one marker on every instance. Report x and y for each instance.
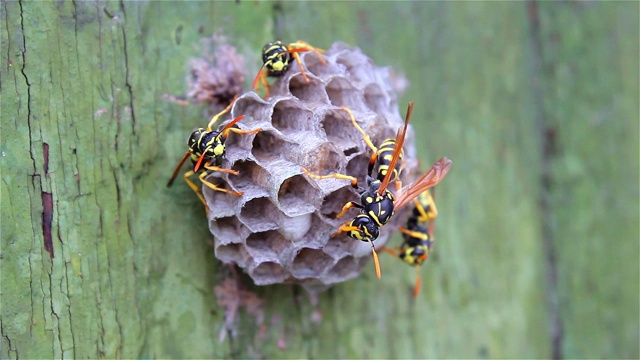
(428, 180)
(397, 150)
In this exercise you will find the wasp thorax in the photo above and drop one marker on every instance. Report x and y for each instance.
(279, 230)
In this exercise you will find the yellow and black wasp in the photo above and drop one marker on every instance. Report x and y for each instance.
(377, 204)
(382, 156)
(276, 58)
(206, 149)
(417, 235)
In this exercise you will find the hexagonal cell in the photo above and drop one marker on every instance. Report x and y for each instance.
(251, 177)
(269, 145)
(289, 118)
(342, 93)
(338, 247)
(252, 105)
(375, 98)
(358, 65)
(259, 214)
(267, 273)
(324, 159)
(298, 195)
(227, 230)
(340, 131)
(231, 254)
(346, 268)
(312, 64)
(309, 92)
(310, 263)
(267, 245)
(358, 166)
(332, 204)
(221, 204)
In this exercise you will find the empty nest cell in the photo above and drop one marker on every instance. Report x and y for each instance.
(267, 273)
(267, 245)
(228, 230)
(290, 118)
(310, 263)
(298, 194)
(269, 146)
(375, 98)
(339, 130)
(259, 214)
(342, 93)
(308, 92)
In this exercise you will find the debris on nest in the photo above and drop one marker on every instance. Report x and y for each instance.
(217, 76)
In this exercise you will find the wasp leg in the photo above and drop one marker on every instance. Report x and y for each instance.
(217, 168)
(414, 234)
(261, 80)
(194, 187)
(217, 116)
(372, 162)
(213, 187)
(303, 45)
(354, 181)
(398, 183)
(241, 132)
(366, 137)
(426, 215)
(346, 208)
(299, 61)
(391, 252)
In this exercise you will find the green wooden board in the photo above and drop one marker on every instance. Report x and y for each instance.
(133, 273)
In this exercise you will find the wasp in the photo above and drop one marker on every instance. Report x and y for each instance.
(417, 237)
(377, 204)
(276, 58)
(206, 149)
(381, 156)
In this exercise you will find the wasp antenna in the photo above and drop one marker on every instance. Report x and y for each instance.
(177, 169)
(217, 116)
(418, 285)
(398, 149)
(197, 167)
(255, 81)
(376, 262)
(298, 50)
(225, 130)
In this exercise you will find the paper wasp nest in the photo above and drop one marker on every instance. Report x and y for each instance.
(278, 231)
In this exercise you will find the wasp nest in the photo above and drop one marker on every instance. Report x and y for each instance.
(279, 230)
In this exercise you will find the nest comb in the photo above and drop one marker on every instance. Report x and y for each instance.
(278, 231)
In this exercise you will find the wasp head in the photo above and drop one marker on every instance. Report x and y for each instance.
(367, 229)
(276, 57)
(207, 143)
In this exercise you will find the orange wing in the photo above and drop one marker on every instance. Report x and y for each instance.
(397, 150)
(428, 180)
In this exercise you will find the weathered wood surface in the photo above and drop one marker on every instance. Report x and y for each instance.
(538, 242)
